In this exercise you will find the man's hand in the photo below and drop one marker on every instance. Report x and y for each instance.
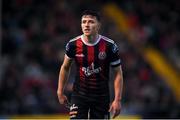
(62, 99)
(115, 108)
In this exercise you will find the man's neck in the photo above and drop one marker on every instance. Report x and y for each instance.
(91, 39)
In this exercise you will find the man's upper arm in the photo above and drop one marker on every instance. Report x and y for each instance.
(114, 56)
(118, 69)
(67, 62)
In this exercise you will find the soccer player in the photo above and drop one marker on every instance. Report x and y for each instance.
(93, 54)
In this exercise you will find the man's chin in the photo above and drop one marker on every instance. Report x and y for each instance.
(87, 34)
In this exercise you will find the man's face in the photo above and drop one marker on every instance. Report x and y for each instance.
(89, 25)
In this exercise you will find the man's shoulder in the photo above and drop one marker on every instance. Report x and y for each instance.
(107, 39)
(75, 39)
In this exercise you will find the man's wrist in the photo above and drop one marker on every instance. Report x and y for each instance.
(118, 100)
(59, 93)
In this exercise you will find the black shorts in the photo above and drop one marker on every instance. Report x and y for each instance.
(88, 107)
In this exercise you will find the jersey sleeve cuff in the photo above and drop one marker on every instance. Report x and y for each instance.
(68, 56)
(116, 63)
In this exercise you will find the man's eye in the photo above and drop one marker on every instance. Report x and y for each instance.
(83, 21)
(91, 21)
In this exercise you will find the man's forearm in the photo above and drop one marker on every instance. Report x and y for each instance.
(118, 85)
(62, 79)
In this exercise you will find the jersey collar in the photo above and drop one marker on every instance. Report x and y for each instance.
(89, 44)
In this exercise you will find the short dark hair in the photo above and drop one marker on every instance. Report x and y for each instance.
(93, 13)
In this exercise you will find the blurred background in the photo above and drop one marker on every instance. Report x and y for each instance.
(33, 38)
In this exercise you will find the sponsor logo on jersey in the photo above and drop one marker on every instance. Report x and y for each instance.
(91, 70)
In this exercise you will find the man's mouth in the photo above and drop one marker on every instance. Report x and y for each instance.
(86, 30)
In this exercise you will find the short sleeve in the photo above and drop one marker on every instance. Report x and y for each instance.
(69, 50)
(115, 58)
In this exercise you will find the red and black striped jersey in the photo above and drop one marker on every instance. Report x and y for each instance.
(92, 64)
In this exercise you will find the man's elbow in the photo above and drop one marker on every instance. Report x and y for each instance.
(65, 68)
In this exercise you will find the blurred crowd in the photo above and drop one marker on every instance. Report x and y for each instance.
(34, 34)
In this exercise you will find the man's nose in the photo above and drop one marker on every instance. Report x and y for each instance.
(87, 24)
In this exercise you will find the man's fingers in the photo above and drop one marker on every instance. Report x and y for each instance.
(110, 108)
(115, 113)
(113, 116)
(65, 101)
(67, 104)
(62, 99)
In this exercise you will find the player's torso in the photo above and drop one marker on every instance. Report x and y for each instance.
(92, 66)
(91, 60)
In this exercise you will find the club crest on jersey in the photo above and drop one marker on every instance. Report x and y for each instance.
(102, 55)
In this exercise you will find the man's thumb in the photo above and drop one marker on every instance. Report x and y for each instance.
(110, 108)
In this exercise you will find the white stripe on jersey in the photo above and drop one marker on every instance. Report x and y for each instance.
(116, 62)
(74, 39)
(107, 39)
